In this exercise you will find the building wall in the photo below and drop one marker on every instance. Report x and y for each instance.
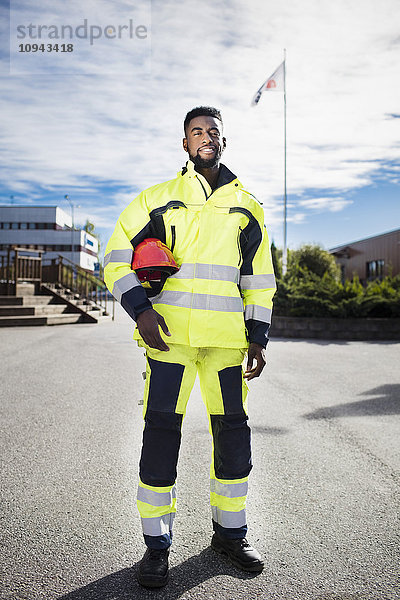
(35, 214)
(55, 235)
(353, 257)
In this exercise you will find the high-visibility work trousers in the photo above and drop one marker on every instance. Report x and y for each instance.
(170, 377)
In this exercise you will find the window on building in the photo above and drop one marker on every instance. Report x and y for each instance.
(31, 225)
(24, 225)
(375, 269)
(14, 225)
(371, 269)
(6, 225)
(44, 225)
(380, 265)
(342, 273)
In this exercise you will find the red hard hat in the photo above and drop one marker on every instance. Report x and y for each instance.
(153, 261)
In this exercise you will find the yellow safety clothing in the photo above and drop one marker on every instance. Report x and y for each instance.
(222, 294)
(218, 302)
(169, 380)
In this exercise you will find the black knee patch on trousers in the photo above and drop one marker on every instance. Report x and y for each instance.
(231, 383)
(160, 450)
(164, 386)
(232, 450)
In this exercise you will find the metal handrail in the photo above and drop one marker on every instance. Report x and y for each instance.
(22, 249)
(78, 280)
(18, 268)
(61, 270)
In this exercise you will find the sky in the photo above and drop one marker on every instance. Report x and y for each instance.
(104, 121)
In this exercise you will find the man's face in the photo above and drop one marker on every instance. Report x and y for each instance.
(204, 142)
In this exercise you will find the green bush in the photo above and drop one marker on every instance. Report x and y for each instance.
(311, 288)
(312, 259)
(304, 306)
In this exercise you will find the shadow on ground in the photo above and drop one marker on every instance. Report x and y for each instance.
(387, 402)
(268, 430)
(123, 585)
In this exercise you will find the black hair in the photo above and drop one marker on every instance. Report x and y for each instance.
(200, 111)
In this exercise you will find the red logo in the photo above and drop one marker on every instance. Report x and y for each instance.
(271, 84)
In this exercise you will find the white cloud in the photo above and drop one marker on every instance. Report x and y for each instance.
(297, 218)
(81, 132)
(324, 204)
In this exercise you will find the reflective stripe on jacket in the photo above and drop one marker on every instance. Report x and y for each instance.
(226, 281)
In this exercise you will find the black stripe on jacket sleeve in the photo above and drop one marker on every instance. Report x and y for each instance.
(250, 239)
(257, 332)
(135, 301)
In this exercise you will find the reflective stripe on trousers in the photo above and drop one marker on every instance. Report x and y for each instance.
(228, 501)
(155, 497)
(157, 507)
(156, 526)
(229, 490)
(228, 519)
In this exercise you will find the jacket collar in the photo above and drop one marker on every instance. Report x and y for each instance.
(224, 176)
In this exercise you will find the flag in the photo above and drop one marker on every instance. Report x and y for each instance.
(275, 83)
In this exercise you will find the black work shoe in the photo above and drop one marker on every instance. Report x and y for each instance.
(153, 568)
(239, 552)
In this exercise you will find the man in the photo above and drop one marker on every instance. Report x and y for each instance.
(211, 312)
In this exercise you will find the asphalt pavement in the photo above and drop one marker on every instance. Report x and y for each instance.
(323, 506)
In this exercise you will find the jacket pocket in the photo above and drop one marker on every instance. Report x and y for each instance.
(222, 210)
(173, 238)
(239, 246)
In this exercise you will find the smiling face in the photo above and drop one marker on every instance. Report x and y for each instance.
(204, 142)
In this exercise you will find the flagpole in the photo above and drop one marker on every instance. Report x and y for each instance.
(284, 255)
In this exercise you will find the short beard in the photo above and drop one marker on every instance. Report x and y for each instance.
(206, 163)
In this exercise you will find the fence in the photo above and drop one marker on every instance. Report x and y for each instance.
(17, 268)
(22, 265)
(64, 272)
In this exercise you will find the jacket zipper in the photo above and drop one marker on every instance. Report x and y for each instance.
(240, 229)
(204, 189)
(173, 237)
(238, 245)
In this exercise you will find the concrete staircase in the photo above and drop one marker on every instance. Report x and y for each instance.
(52, 306)
(91, 311)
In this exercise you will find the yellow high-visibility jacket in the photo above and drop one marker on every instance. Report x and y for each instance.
(222, 294)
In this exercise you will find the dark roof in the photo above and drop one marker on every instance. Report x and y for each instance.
(346, 246)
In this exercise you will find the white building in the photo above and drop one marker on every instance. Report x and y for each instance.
(47, 228)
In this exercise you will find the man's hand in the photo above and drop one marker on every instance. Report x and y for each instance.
(255, 352)
(148, 322)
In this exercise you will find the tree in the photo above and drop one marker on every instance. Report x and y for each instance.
(276, 255)
(89, 228)
(313, 259)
